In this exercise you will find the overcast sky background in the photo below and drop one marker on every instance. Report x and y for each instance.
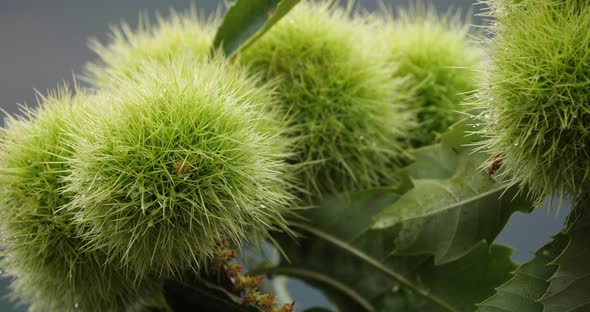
(43, 42)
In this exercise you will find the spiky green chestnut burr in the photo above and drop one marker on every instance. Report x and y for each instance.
(178, 34)
(536, 98)
(185, 155)
(337, 92)
(47, 262)
(436, 57)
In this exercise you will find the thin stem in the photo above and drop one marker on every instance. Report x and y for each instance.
(321, 278)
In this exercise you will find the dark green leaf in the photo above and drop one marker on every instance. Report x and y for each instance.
(522, 292)
(349, 215)
(440, 161)
(466, 281)
(569, 288)
(246, 20)
(344, 277)
(443, 215)
(351, 260)
(357, 272)
(451, 199)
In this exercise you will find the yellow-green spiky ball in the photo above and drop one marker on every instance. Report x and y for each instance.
(49, 268)
(337, 92)
(183, 155)
(536, 98)
(179, 34)
(437, 59)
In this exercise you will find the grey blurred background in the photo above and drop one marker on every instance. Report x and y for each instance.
(44, 42)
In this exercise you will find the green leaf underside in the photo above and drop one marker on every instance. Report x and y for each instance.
(569, 288)
(529, 283)
(204, 297)
(452, 199)
(246, 21)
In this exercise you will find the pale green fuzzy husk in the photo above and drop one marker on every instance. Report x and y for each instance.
(536, 100)
(438, 60)
(339, 95)
(127, 49)
(185, 154)
(50, 271)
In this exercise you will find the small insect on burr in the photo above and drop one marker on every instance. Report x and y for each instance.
(495, 164)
